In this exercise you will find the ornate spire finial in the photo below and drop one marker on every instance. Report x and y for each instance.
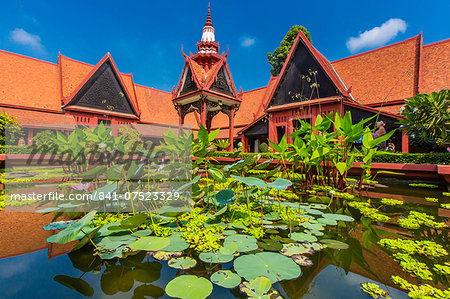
(208, 43)
(208, 18)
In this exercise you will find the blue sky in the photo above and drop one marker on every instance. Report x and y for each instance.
(145, 37)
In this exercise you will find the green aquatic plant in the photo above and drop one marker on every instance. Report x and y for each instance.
(420, 291)
(442, 269)
(416, 219)
(445, 206)
(374, 290)
(392, 202)
(421, 185)
(368, 211)
(189, 287)
(272, 265)
(183, 263)
(260, 288)
(226, 279)
(446, 193)
(426, 248)
(413, 267)
(431, 199)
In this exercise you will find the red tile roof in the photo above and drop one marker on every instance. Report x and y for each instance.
(383, 74)
(29, 82)
(435, 71)
(156, 106)
(28, 117)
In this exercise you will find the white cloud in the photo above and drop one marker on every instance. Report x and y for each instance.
(247, 41)
(32, 41)
(377, 36)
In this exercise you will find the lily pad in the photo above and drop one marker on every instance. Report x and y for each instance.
(338, 217)
(295, 248)
(176, 244)
(215, 257)
(318, 206)
(314, 232)
(302, 260)
(327, 221)
(244, 242)
(334, 244)
(183, 263)
(226, 279)
(151, 243)
(115, 241)
(312, 226)
(229, 232)
(257, 288)
(166, 255)
(272, 265)
(302, 237)
(189, 287)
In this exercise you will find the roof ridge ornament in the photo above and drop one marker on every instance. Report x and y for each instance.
(208, 42)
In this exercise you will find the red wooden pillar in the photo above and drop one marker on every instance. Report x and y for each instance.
(231, 128)
(272, 128)
(203, 112)
(405, 142)
(244, 141)
(29, 137)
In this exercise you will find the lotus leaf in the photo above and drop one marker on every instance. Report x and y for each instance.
(250, 181)
(166, 255)
(244, 242)
(226, 279)
(327, 221)
(183, 263)
(72, 232)
(256, 288)
(302, 237)
(151, 243)
(312, 226)
(302, 260)
(295, 248)
(215, 257)
(338, 217)
(115, 241)
(189, 287)
(334, 244)
(57, 225)
(273, 265)
(280, 184)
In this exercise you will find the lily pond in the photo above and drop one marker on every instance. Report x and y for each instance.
(327, 256)
(294, 226)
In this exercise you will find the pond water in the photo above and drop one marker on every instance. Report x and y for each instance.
(40, 270)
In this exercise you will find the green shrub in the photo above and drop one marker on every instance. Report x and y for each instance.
(263, 148)
(379, 157)
(46, 137)
(417, 158)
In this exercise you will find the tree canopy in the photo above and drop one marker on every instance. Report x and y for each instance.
(427, 117)
(278, 57)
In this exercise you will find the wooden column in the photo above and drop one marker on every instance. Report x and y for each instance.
(203, 112)
(231, 128)
(29, 137)
(272, 130)
(405, 142)
(244, 143)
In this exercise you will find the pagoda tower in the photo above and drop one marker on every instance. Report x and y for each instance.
(206, 87)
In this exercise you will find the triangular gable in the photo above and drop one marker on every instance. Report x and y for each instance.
(188, 83)
(103, 89)
(222, 83)
(305, 76)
